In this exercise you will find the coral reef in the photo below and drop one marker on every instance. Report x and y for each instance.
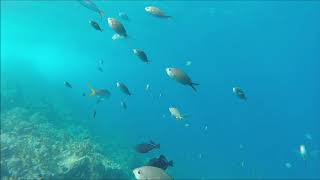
(32, 146)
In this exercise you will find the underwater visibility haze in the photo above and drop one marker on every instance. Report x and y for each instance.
(160, 89)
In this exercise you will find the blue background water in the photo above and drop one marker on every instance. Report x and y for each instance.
(270, 49)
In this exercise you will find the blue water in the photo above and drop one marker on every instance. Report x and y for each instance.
(270, 49)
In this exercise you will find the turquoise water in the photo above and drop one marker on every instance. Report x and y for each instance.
(270, 49)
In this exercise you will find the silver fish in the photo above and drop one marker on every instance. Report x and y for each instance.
(117, 26)
(150, 172)
(155, 11)
(176, 113)
(92, 6)
(181, 77)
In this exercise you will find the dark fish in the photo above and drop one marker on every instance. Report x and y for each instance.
(146, 147)
(123, 88)
(123, 105)
(100, 69)
(94, 114)
(95, 25)
(92, 6)
(160, 162)
(67, 84)
(141, 55)
(240, 93)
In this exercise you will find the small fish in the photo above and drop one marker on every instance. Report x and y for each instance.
(155, 11)
(146, 147)
(288, 165)
(94, 114)
(188, 63)
(205, 128)
(151, 173)
(67, 84)
(95, 25)
(200, 156)
(123, 15)
(242, 164)
(303, 151)
(92, 6)
(147, 87)
(123, 88)
(123, 105)
(98, 92)
(181, 77)
(99, 100)
(117, 26)
(186, 125)
(176, 113)
(100, 69)
(239, 92)
(141, 55)
(308, 136)
(160, 162)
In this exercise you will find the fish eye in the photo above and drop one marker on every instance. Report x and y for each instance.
(139, 172)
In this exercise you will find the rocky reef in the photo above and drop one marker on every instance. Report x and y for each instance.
(41, 136)
(31, 146)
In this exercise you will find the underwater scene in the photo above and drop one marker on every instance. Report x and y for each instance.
(160, 89)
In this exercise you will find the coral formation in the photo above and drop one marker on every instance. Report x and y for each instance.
(32, 146)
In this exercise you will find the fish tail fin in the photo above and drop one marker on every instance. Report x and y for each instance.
(193, 86)
(93, 91)
(170, 163)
